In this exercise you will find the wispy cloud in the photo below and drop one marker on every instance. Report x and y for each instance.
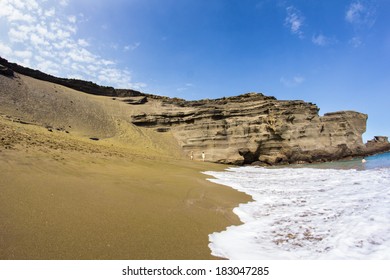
(5, 50)
(361, 13)
(292, 82)
(42, 37)
(64, 3)
(294, 21)
(322, 40)
(187, 86)
(356, 41)
(132, 47)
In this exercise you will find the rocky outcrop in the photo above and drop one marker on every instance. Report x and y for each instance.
(253, 128)
(5, 71)
(377, 145)
(80, 85)
(136, 100)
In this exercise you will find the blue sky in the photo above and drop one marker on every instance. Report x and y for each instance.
(333, 53)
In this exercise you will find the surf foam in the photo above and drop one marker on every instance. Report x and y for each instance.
(305, 213)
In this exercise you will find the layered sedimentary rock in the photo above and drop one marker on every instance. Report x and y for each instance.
(256, 128)
(377, 145)
(251, 128)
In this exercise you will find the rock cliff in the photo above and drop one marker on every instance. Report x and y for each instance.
(253, 128)
(246, 129)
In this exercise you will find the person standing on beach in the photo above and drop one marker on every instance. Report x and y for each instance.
(203, 156)
(192, 155)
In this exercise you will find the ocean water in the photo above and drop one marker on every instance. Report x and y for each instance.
(324, 211)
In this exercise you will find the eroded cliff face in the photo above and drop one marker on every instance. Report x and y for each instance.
(256, 128)
(250, 128)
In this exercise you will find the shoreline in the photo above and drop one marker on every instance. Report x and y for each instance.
(68, 197)
(286, 219)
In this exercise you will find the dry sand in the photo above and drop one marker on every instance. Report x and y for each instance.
(63, 196)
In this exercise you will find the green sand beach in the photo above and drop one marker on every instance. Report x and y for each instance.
(65, 197)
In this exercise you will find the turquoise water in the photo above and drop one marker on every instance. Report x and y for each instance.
(378, 161)
(372, 162)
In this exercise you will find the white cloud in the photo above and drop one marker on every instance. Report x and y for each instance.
(120, 78)
(5, 50)
(49, 67)
(187, 86)
(13, 14)
(322, 40)
(62, 34)
(39, 35)
(93, 68)
(19, 4)
(18, 35)
(138, 86)
(83, 43)
(32, 5)
(292, 82)
(294, 21)
(64, 3)
(106, 62)
(50, 13)
(354, 12)
(72, 19)
(356, 42)
(82, 55)
(361, 13)
(48, 55)
(38, 41)
(131, 47)
(23, 54)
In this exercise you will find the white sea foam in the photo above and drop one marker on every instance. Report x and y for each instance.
(307, 213)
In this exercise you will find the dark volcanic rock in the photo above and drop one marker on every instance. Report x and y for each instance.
(136, 100)
(6, 71)
(80, 85)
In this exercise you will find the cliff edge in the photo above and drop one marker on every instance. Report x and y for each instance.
(254, 128)
(247, 129)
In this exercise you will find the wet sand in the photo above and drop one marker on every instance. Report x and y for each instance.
(66, 197)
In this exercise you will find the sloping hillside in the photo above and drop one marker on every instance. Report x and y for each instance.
(59, 108)
(79, 181)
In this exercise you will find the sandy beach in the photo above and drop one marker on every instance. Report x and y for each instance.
(67, 197)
